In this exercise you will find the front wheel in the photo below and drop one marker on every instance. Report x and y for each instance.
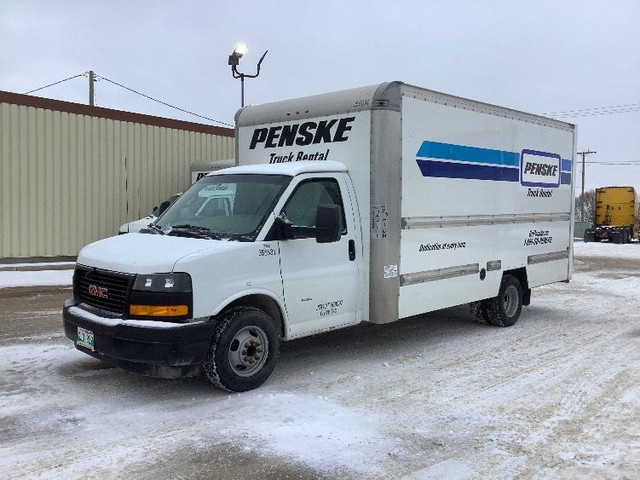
(244, 350)
(504, 310)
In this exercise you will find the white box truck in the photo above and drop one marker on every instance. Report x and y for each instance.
(367, 205)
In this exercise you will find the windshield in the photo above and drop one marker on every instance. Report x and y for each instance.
(230, 207)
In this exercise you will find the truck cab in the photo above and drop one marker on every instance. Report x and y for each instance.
(269, 252)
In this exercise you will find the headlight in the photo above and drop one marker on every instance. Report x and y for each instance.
(163, 282)
(159, 296)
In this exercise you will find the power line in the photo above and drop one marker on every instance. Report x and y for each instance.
(594, 111)
(96, 77)
(161, 102)
(55, 83)
(614, 163)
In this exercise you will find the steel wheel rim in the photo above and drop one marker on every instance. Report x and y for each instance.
(248, 351)
(510, 299)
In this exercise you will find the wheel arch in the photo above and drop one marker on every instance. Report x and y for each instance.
(521, 275)
(262, 302)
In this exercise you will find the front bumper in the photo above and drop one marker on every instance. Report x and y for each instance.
(153, 348)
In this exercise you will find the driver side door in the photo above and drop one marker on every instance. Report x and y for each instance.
(320, 280)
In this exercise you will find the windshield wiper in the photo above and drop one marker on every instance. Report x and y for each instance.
(153, 229)
(242, 237)
(193, 230)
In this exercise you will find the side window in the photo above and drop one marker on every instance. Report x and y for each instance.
(302, 207)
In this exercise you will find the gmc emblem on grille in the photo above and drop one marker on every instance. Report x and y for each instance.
(97, 291)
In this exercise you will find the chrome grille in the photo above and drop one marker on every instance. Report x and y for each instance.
(102, 289)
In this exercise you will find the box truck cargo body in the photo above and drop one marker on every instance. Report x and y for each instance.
(372, 204)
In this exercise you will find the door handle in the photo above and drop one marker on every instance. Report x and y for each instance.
(352, 250)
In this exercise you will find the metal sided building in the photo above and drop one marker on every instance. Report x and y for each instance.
(71, 173)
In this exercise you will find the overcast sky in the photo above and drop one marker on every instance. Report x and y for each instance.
(540, 56)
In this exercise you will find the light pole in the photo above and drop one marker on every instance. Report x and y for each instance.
(234, 59)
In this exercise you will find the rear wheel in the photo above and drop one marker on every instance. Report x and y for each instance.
(479, 311)
(504, 310)
(244, 350)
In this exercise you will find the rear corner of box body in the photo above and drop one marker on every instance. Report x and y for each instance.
(385, 214)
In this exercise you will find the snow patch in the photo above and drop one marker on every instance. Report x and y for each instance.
(606, 249)
(447, 470)
(39, 278)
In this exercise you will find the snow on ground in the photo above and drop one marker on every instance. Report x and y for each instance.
(37, 278)
(436, 396)
(606, 249)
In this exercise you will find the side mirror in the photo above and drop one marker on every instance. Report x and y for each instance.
(283, 227)
(328, 224)
(163, 206)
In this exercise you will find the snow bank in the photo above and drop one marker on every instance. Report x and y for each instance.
(37, 278)
(606, 249)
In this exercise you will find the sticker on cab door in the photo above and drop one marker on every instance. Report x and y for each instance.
(329, 308)
(390, 271)
(266, 250)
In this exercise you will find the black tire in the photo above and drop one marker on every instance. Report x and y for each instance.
(589, 236)
(504, 310)
(244, 350)
(479, 311)
(617, 237)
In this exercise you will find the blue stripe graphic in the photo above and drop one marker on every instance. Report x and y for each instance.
(448, 151)
(431, 168)
(441, 160)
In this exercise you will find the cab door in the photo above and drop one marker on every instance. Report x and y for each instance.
(320, 280)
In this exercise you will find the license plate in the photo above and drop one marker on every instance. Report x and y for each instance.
(85, 338)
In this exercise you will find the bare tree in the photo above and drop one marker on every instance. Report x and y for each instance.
(589, 202)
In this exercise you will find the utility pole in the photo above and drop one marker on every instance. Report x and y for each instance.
(584, 154)
(92, 81)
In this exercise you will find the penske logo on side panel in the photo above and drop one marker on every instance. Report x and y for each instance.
(324, 131)
(302, 134)
(540, 169)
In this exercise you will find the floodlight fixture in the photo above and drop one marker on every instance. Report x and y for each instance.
(234, 59)
(238, 51)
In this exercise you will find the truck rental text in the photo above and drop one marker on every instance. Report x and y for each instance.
(368, 205)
